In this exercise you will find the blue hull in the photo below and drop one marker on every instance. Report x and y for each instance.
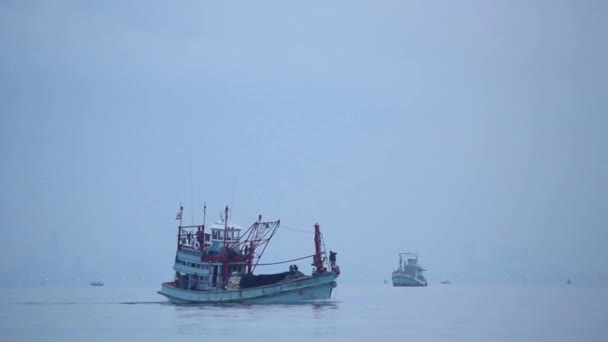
(297, 290)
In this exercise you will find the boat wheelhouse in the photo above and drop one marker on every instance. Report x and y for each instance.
(217, 264)
(409, 272)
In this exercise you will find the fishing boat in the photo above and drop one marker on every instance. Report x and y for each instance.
(216, 264)
(96, 283)
(409, 272)
(445, 282)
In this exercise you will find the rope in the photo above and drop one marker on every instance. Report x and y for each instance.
(283, 262)
(296, 230)
(282, 225)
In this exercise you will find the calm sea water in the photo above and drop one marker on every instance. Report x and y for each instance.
(356, 313)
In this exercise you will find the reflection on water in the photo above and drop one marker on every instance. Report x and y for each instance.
(265, 319)
(320, 309)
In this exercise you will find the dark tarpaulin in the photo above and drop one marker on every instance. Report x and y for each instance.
(251, 280)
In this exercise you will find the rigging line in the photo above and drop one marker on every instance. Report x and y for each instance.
(325, 253)
(296, 229)
(191, 186)
(232, 197)
(191, 201)
(282, 225)
(283, 262)
(245, 215)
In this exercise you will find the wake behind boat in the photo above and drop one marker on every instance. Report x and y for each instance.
(218, 267)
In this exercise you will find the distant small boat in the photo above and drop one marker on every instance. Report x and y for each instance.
(568, 282)
(445, 282)
(96, 283)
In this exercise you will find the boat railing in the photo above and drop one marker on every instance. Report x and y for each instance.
(188, 238)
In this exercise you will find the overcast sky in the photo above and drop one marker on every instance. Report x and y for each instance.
(472, 132)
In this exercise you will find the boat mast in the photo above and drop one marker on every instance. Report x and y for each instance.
(225, 228)
(179, 228)
(317, 261)
(251, 250)
(225, 254)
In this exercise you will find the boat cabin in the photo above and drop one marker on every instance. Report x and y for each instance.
(199, 258)
(210, 258)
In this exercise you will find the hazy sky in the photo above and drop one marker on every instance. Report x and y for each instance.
(473, 132)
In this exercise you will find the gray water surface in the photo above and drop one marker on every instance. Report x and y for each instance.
(356, 313)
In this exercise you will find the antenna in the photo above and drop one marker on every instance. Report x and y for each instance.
(225, 230)
(181, 211)
(204, 212)
(191, 200)
(232, 195)
(179, 228)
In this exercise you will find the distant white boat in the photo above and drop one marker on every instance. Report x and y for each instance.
(409, 272)
(96, 283)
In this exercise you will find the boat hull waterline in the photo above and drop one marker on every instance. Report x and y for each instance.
(400, 280)
(316, 287)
